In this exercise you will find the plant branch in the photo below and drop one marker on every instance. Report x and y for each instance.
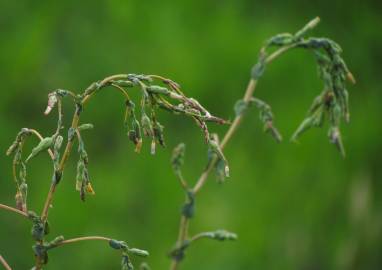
(4, 263)
(184, 223)
(11, 209)
(85, 238)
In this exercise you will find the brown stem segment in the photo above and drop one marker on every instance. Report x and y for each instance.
(4, 263)
(184, 223)
(11, 209)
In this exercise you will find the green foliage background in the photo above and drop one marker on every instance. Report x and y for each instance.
(293, 206)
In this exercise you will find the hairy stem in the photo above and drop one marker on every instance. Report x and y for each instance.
(184, 223)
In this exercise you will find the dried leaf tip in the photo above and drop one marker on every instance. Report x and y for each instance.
(52, 100)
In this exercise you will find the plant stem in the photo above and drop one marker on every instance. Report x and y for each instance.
(85, 238)
(17, 211)
(69, 145)
(4, 263)
(184, 223)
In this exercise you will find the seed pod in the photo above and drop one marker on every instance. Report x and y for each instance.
(222, 235)
(177, 158)
(125, 263)
(158, 90)
(240, 107)
(55, 242)
(158, 133)
(281, 40)
(304, 126)
(44, 144)
(334, 135)
(216, 148)
(144, 266)
(85, 127)
(188, 209)
(146, 126)
(138, 252)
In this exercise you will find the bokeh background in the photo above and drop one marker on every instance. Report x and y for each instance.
(293, 206)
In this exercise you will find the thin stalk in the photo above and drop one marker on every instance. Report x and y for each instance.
(184, 223)
(4, 263)
(17, 211)
(85, 238)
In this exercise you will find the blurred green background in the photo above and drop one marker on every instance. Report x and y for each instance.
(293, 206)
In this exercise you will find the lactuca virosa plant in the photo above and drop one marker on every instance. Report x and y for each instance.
(331, 104)
(141, 122)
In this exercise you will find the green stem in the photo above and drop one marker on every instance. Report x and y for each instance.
(184, 223)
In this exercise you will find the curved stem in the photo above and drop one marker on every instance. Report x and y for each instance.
(12, 209)
(69, 145)
(85, 238)
(4, 263)
(184, 223)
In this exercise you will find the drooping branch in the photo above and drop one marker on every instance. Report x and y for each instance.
(333, 72)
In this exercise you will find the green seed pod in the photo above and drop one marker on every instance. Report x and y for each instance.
(138, 252)
(216, 148)
(55, 242)
(158, 90)
(124, 83)
(147, 126)
(177, 158)
(222, 235)
(281, 40)
(158, 133)
(144, 266)
(306, 124)
(58, 143)
(125, 263)
(240, 107)
(42, 146)
(258, 69)
(188, 209)
(85, 127)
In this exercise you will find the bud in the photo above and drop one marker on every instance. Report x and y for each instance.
(116, 244)
(52, 100)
